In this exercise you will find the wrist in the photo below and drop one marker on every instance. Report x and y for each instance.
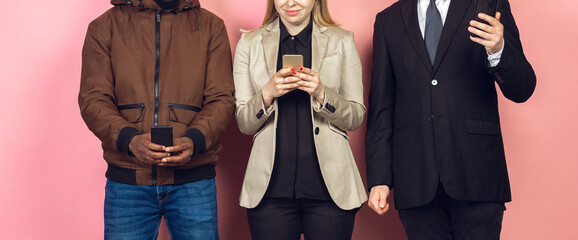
(321, 96)
(267, 100)
(498, 48)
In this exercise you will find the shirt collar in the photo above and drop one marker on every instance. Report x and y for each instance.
(304, 37)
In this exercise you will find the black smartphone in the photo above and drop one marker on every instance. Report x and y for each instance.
(489, 7)
(162, 135)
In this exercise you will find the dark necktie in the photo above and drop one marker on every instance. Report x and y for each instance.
(433, 30)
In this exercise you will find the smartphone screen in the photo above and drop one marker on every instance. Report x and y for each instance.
(162, 135)
(294, 61)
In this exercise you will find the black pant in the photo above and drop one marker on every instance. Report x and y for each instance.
(448, 219)
(286, 219)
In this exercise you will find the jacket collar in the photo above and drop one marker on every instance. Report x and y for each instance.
(456, 14)
(270, 43)
(152, 5)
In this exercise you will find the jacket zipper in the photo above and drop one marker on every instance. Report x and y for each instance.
(133, 106)
(172, 106)
(157, 70)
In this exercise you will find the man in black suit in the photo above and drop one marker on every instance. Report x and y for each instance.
(433, 126)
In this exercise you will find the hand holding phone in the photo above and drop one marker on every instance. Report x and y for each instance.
(487, 29)
(284, 80)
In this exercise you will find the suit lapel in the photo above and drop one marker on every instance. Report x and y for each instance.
(271, 46)
(318, 46)
(409, 14)
(456, 14)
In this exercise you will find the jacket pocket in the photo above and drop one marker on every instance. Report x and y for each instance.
(483, 127)
(132, 112)
(338, 131)
(182, 113)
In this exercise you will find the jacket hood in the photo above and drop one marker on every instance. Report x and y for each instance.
(152, 5)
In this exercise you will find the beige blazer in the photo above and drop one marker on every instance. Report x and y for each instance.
(335, 58)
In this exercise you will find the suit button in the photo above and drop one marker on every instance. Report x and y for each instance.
(434, 82)
(260, 114)
(330, 107)
(317, 131)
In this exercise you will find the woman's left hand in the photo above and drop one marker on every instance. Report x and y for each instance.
(311, 83)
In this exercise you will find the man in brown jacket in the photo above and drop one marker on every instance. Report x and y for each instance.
(149, 63)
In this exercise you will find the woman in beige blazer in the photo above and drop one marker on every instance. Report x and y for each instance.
(301, 176)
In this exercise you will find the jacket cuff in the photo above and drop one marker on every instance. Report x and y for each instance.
(198, 139)
(124, 138)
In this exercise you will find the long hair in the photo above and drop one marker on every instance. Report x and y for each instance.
(320, 12)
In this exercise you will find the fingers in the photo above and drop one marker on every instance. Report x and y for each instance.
(479, 29)
(307, 74)
(180, 153)
(383, 205)
(287, 81)
(176, 160)
(493, 27)
(181, 144)
(146, 151)
(378, 199)
(493, 21)
(284, 72)
(149, 156)
(481, 41)
(308, 71)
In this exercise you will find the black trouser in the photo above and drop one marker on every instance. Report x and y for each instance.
(448, 219)
(286, 219)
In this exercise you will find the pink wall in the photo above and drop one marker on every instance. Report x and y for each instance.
(52, 181)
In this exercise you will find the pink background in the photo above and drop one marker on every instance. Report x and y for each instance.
(52, 179)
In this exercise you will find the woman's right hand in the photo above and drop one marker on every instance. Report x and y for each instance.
(281, 83)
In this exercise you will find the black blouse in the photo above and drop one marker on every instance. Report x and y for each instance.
(296, 172)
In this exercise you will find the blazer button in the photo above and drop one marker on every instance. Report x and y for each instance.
(260, 114)
(330, 107)
(317, 131)
(434, 82)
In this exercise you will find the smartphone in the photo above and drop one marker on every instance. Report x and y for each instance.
(294, 61)
(162, 135)
(489, 7)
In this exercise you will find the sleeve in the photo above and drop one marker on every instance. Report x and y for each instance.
(250, 110)
(96, 97)
(344, 108)
(378, 140)
(218, 104)
(514, 74)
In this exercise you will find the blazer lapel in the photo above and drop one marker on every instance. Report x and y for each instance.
(409, 14)
(271, 46)
(456, 14)
(318, 46)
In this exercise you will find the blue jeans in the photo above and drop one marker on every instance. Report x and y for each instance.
(135, 211)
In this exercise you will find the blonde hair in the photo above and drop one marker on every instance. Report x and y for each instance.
(320, 11)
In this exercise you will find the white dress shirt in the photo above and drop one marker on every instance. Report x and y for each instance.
(443, 7)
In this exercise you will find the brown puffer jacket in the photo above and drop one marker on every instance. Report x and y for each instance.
(142, 65)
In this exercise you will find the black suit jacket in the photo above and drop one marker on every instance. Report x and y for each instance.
(420, 131)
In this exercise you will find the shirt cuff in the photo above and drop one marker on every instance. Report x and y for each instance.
(494, 59)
